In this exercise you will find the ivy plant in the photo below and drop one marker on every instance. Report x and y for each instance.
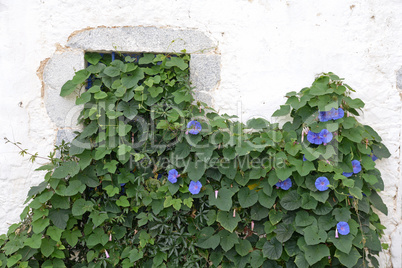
(156, 179)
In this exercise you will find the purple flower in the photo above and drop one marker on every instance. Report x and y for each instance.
(324, 116)
(173, 175)
(356, 166)
(278, 184)
(347, 174)
(337, 113)
(304, 158)
(195, 187)
(343, 228)
(321, 183)
(326, 136)
(286, 184)
(373, 156)
(314, 138)
(194, 127)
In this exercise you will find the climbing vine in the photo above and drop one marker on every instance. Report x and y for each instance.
(156, 179)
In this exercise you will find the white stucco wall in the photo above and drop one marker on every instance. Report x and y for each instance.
(267, 47)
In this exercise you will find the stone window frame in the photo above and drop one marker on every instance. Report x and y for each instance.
(204, 64)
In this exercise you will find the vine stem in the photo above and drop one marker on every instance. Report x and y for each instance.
(24, 151)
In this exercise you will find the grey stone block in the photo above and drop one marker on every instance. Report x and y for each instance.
(65, 134)
(141, 39)
(203, 97)
(62, 110)
(205, 71)
(61, 67)
(399, 78)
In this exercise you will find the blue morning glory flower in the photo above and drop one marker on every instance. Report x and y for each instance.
(314, 138)
(343, 228)
(326, 136)
(286, 184)
(347, 174)
(373, 156)
(304, 158)
(324, 116)
(278, 184)
(194, 127)
(337, 113)
(321, 183)
(356, 166)
(173, 175)
(195, 187)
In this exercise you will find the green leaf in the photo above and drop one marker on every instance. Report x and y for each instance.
(266, 200)
(247, 197)
(147, 58)
(133, 79)
(72, 237)
(258, 212)
(380, 150)
(176, 61)
(47, 247)
(111, 190)
(123, 202)
(257, 123)
(84, 98)
(300, 261)
(284, 232)
(59, 218)
(81, 206)
(304, 219)
(37, 189)
(315, 253)
(72, 189)
(68, 88)
(98, 218)
(207, 239)
(12, 260)
(291, 201)
(155, 91)
(135, 255)
(81, 76)
(34, 241)
(320, 196)
(195, 170)
(92, 57)
(179, 97)
(227, 220)
(350, 259)
(65, 169)
(284, 110)
(111, 166)
(224, 200)
(228, 240)
(111, 71)
(272, 249)
(356, 192)
(313, 235)
(275, 216)
(377, 202)
(129, 109)
(341, 214)
(40, 225)
(343, 243)
(257, 259)
(243, 247)
(54, 232)
(182, 150)
(100, 95)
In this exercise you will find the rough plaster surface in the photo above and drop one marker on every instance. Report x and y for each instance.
(267, 48)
